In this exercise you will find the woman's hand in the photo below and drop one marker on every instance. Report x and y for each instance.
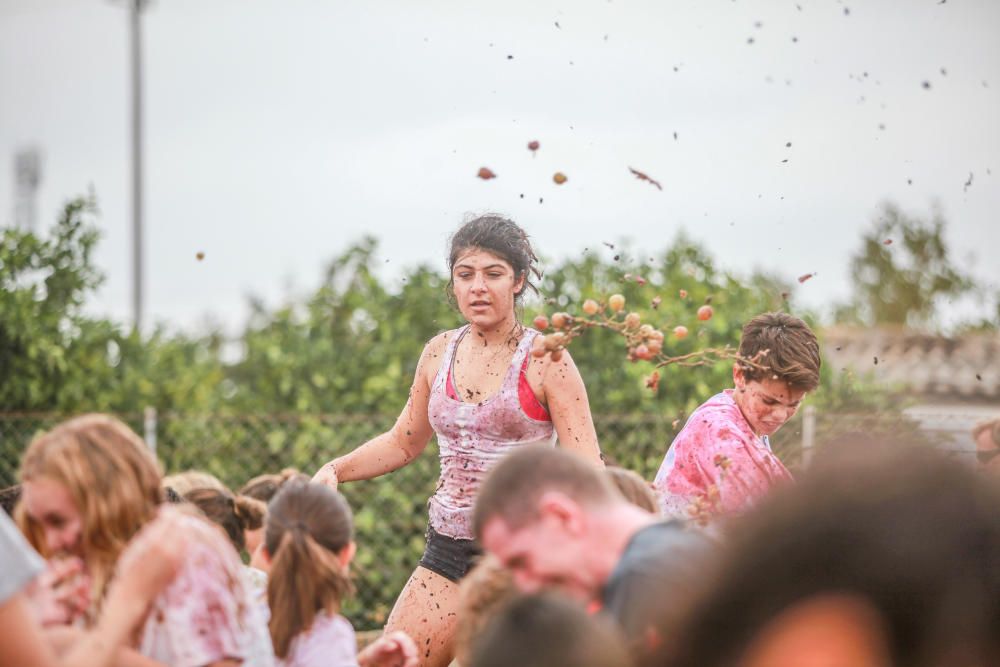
(395, 649)
(327, 475)
(60, 594)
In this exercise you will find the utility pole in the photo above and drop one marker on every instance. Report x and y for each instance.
(135, 8)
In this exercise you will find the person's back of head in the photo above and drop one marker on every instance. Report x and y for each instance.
(513, 488)
(482, 592)
(234, 514)
(893, 547)
(264, 487)
(634, 488)
(308, 538)
(546, 629)
(784, 348)
(189, 480)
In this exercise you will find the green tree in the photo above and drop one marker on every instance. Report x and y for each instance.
(902, 272)
(54, 357)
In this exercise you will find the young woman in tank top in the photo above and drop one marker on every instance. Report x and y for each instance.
(482, 394)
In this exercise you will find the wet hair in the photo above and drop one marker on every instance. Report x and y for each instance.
(906, 530)
(501, 237)
(263, 487)
(786, 348)
(308, 526)
(634, 488)
(513, 488)
(547, 629)
(234, 514)
(9, 498)
(114, 482)
(481, 593)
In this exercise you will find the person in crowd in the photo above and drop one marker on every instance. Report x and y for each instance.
(883, 556)
(236, 516)
(189, 480)
(555, 521)
(986, 435)
(721, 462)
(264, 487)
(482, 394)
(231, 513)
(634, 488)
(89, 486)
(486, 588)
(545, 629)
(149, 563)
(308, 547)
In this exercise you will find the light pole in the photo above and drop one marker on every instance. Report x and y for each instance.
(135, 8)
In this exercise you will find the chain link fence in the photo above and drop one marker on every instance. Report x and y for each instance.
(390, 512)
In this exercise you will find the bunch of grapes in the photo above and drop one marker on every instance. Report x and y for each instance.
(644, 342)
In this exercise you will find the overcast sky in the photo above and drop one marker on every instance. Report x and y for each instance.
(279, 132)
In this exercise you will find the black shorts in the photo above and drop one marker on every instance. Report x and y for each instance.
(450, 557)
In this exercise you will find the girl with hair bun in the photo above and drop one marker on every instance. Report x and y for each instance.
(480, 392)
(308, 545)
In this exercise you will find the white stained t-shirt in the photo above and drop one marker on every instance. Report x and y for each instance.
(330, 642)
(20, 563)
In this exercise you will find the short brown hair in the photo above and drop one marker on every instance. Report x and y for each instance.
(784, 347)
(513, 488)
(547, 629)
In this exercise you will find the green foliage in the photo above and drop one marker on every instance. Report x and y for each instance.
(902, 271)
(320, 375)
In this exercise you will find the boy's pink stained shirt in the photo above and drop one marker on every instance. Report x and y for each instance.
(716, 465)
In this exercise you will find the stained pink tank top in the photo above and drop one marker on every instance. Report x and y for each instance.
(472, 437)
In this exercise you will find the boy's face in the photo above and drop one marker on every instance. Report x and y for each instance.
(766, 404)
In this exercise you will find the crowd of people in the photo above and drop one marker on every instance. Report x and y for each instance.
(880, 553)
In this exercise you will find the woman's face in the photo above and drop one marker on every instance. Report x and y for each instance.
(50, 505)
(485, 286)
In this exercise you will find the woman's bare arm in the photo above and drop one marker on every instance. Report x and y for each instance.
(404, 441)
(566, 398)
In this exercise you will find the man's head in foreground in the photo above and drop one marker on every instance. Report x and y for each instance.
(554, 520)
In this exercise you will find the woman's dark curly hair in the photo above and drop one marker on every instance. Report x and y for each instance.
(501, 237)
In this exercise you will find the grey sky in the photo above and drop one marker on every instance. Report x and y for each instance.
(279, 132)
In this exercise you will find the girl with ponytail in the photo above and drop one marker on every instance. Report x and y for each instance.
(308, 545)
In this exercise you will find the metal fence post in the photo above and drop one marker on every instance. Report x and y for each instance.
(149, 427)
(808, 433)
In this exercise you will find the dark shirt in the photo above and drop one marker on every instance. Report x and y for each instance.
(660, 563)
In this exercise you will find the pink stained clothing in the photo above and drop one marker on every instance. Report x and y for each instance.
(472, 437)
(716, 464)
(330, 642)
(207, 613)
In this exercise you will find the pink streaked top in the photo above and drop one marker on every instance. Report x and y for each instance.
(207, 614)
(472, 437)
(716, 464)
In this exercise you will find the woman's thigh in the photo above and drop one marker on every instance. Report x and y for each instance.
(427, 611)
